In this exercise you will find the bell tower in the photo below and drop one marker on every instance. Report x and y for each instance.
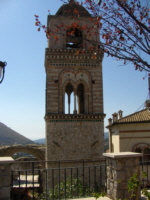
(74, 86)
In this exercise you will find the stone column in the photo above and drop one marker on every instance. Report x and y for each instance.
(75, 103)
(120, 167)
(68, 103)
(5, 174)
(64, 103)
(86, 102)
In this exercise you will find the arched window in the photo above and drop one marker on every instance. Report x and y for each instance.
(74, 38)
(146, 155)
(68, 104)
(80, 95)
(145, 158)
(138, 150)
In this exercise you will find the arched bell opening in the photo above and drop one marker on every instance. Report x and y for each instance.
(74, 38)
(81, 99)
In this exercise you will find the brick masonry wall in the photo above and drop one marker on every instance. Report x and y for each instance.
(57, 62)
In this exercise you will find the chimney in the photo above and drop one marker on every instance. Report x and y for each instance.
(115, 117)
(110, 121)
(120, 114)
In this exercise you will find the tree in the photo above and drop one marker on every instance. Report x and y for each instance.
(123, 28)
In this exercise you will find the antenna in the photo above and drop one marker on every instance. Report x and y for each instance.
(149, 84)
(147, 102)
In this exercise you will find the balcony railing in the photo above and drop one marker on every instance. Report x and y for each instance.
(59, 180)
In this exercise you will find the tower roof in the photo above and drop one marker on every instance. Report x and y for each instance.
(73, 9)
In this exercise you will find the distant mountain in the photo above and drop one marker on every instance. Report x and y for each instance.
(106, 135)
(40, 141)
(106, 144)
(11, 137)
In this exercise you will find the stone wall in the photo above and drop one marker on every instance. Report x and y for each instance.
(120, 168)
(74, 139)
(5, 174)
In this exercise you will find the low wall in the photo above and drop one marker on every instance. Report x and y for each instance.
(5, 174)
(120, 167)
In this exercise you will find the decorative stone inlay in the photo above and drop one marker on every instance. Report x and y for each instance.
(72, 117)
(73, 63)
(61, 57)
(72, 51)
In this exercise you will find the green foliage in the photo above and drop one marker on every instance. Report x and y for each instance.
(133, 185)
(144, 174)
(146, 193)
(99, 194)
(72, 188)
(145, 190)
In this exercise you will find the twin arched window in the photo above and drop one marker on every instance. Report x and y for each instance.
(74, 99)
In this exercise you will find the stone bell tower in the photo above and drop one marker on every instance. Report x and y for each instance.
(74, 86)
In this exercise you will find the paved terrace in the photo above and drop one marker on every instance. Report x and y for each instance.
(92, 198)
(105, 198)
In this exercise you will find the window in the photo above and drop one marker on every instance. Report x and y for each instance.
(146, 155)
(68, 99)
(80, 95)
(145, 150)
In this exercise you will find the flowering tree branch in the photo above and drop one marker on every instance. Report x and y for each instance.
(122, 25)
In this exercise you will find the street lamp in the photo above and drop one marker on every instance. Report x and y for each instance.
(2, 70)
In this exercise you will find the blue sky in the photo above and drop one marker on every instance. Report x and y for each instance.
(22, 93)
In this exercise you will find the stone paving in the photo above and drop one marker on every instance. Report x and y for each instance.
(105, 198)
(92, 198)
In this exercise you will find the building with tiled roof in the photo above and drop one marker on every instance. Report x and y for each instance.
(142, 116)
(129, 133)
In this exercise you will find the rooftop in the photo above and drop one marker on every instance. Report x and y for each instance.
(142, 116)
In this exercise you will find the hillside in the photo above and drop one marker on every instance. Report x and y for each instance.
(11, 137)
(40, 141)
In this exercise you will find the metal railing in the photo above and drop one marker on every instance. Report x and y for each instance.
(59, 180)
(145, 168)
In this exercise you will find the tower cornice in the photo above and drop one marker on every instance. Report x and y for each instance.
(73, 58)
(72, 117)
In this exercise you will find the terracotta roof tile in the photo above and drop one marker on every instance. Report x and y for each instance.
(142, 116)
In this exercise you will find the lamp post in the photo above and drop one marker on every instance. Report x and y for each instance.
(2, 70)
